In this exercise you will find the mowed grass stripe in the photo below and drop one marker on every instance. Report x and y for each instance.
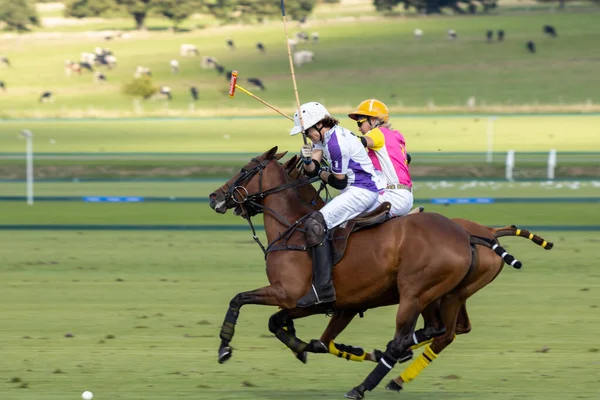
(163, 297)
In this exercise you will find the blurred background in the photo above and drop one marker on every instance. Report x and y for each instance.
(116, 124)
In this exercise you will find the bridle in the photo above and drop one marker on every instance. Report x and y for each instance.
(251, 202)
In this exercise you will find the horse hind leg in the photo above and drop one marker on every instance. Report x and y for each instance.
(450, 307)
(406, 319)
(268, 295)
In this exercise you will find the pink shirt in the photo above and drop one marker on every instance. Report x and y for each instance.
(389, 155)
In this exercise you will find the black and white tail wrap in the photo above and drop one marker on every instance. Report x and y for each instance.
(501, 251)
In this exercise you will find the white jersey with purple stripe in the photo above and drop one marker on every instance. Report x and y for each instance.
(347, 156)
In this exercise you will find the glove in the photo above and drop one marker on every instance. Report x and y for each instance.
(408, 158)
(306, 153)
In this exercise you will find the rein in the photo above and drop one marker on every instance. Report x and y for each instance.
(252, 206)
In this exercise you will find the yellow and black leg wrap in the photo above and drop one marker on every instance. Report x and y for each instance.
(418, 365)
(348, 352)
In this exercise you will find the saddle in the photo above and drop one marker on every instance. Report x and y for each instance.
(340, 235)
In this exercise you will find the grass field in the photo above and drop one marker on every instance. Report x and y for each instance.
(422, 190)
(145, 311)
(49, 212)
(443, 134)
(374, 57)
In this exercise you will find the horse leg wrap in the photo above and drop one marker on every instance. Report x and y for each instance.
(228, 328)
(348, 352)
(291, 341)
(278, 324)
(384, 366)
(425, 336)
(418, 365)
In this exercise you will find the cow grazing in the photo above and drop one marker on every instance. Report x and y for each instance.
(489, 36)
(174, 66)
(452, 34)
(293, 44)
(256, 82)
(302, 37)
(188, 50)
(71, 67)
(531, 46)
(230, 44)
(99, 77)
(418, 33)
(5, 60)
(500, 35)
(315, 37)
(550, 31)
(303, 57)
(194, 92)
(260, 47)
(166, 91)
(86, 65)
(3, 86)
(139, 71)
(46, 96)
(208, 62)
(89, 58)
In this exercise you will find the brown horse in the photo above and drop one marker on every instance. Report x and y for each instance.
(440, 314)
(392, 263)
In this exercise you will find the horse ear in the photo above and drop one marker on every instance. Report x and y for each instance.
(269, 154)
(279, 155)
(289, 164)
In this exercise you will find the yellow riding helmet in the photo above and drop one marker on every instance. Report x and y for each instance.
(372, 108)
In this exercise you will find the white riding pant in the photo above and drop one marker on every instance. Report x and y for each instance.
(400, 199)
(351, 202)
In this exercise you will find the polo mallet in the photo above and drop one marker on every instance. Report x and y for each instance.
(233, 85)
(287, 41)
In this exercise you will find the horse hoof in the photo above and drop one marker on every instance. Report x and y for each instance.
(225, 354)
(302, 356)
(393, 386)
(357, 393)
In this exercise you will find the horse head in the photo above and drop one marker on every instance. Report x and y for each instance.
(246, 189)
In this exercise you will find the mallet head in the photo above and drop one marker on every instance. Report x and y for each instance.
(232, 83)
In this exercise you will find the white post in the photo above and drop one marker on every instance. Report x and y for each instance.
(551, 164)
(29, 157)
(490, 139)
(510, 164)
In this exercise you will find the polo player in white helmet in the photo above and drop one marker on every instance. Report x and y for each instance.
(352, 172)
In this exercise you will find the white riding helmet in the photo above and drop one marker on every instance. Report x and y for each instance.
(312, 113)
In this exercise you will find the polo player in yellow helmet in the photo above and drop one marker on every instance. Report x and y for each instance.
(387, 150)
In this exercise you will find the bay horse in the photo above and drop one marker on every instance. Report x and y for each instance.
(438, 315)
(410, 261)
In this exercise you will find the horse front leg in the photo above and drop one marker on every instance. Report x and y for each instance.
(267, 296)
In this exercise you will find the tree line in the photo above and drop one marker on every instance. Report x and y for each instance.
(20, 15)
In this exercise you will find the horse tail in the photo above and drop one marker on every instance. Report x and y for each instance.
(495, 246)
(514, 231)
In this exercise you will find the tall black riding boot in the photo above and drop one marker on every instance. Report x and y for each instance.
(322, 290)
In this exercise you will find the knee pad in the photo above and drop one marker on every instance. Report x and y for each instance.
(316, 229)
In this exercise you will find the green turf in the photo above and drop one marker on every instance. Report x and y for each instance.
(201, 214)
(433, 134)
(354, 60)
(203, 189)
(145, 311)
